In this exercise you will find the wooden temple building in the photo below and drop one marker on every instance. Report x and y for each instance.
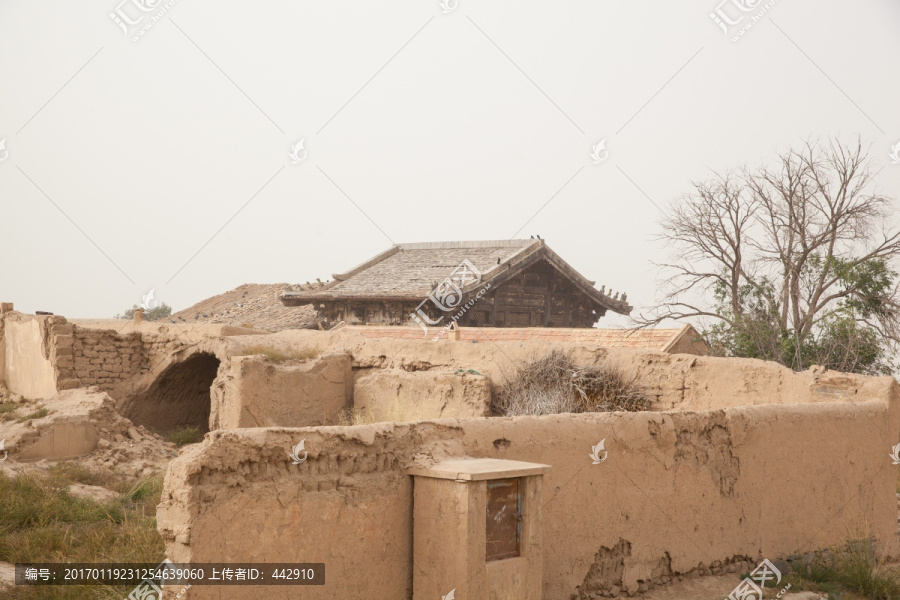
(507, 283)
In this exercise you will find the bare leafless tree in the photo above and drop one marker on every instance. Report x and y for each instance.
(787, 245)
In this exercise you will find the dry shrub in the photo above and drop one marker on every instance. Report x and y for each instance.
(181, 436)
(38, 414)
(7, 411)
(555, 384)
(852, 567)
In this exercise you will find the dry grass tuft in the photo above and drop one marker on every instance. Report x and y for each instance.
(853, 569)
(277, 355)
(860, 570)
(182, 436)
(40, 521)
(38, 414)
(555, 384)
(7, 411)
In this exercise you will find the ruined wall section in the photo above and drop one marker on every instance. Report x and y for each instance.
(96, 357)
(43, 354)
(26, 352)
(673, 381)
(254, 392)
(62, 354)
(399, 395)
(5, 307)
(679, 492)
(121, 363)
(161, 347)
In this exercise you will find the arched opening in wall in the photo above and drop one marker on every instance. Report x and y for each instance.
(180, 397)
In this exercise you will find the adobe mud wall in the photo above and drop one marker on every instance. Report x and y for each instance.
(398, 395)
(673, 381)
(40, 355)
(99, 357)
(127, 360)
(26, 356)
(254, 392)
(678, 491)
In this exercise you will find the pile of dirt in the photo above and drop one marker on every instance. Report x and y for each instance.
(80, 425)
(251, 305)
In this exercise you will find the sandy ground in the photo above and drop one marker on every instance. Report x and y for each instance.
(699, 588)
(7, 573)
(713, 587)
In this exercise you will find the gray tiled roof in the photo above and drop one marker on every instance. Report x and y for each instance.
(414, 269)
(410, 271)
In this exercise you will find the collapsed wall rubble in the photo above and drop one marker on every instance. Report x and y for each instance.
(83, 424)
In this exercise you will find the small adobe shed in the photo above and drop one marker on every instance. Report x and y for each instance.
(507, 283)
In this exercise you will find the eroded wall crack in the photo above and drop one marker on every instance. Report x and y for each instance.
(709, 447)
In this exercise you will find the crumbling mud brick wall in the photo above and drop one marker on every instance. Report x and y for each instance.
(406, 369)
(162, 346)
(389, 394)
(254, 392)
(100, 357)
(42, 354)
(679, 491)
(160, 375)
(120, 362)
(29, 364)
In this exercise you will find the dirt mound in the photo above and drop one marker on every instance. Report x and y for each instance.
(80, 425)
(251, 305)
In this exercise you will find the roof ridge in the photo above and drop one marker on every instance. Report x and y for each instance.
(511, 243)
(337, 277)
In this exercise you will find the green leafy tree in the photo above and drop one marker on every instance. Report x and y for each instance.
(154, 314)
(790, 261)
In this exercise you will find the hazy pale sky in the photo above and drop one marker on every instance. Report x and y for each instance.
(164, 162)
